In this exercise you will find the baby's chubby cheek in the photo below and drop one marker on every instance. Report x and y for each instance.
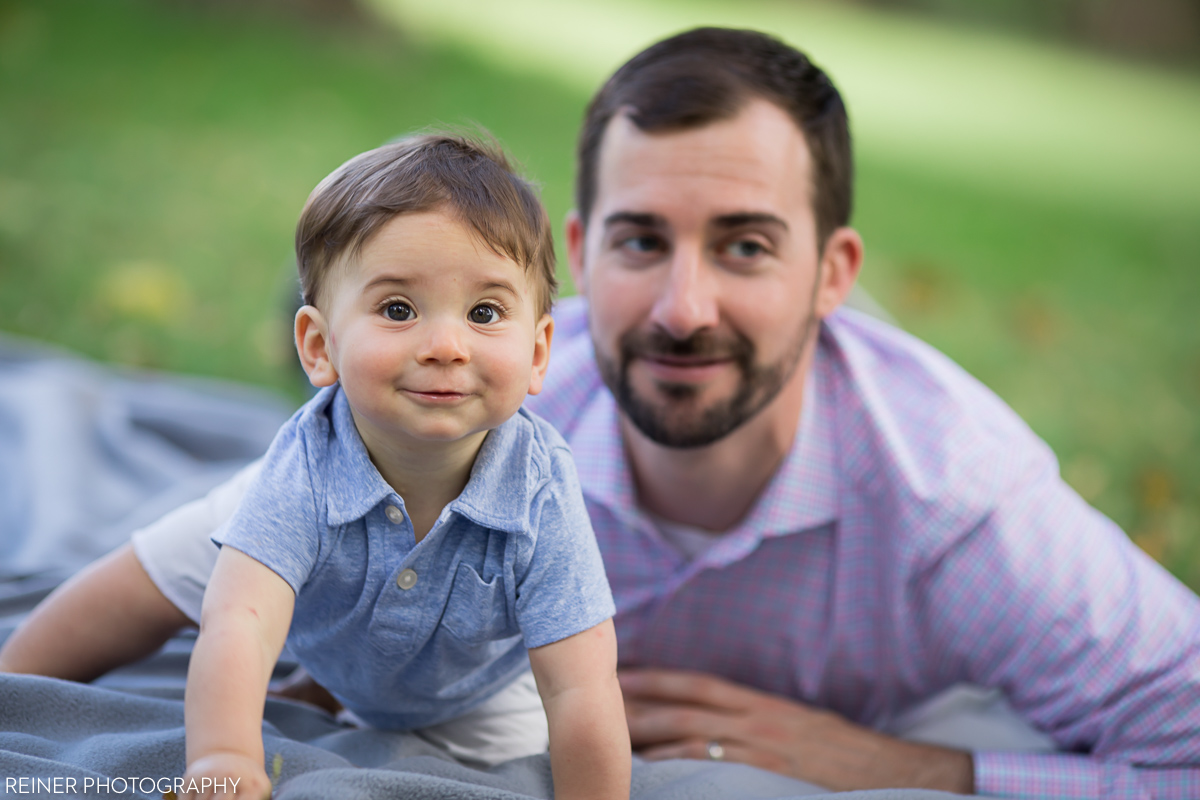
(508, 388)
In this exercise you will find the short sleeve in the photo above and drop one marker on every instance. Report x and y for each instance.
(177, 550)
(277, 522)
(563, 591)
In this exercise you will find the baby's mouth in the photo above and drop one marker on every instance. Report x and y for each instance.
(436, 395)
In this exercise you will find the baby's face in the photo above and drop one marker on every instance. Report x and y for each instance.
(433, 336)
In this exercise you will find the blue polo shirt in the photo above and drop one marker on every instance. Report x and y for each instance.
(409, 634)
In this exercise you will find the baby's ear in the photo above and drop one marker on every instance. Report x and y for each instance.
(312, 344)
(542, 334)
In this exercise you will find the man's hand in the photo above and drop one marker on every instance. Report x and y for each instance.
(675, 714)
(233, 775)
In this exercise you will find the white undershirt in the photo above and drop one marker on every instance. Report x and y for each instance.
(689, 540)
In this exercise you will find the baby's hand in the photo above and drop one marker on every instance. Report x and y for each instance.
(227, 775)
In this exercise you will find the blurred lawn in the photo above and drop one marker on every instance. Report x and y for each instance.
(153, 159)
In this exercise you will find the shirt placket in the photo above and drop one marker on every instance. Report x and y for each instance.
(397, 564)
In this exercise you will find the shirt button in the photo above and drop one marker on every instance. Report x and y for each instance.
(394, 514)
(406, 579)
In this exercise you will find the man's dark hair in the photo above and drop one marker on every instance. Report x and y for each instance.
(709, 74)
(469, 178)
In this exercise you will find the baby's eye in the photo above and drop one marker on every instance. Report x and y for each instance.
(483, 314)
(398, 312)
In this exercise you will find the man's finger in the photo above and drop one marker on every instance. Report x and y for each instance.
(692, 748)
(700, 750)
(677, 723)
(682, 686)
(731, 751)
(636, 706)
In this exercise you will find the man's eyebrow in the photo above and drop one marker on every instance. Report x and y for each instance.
(744, 218)
(640, 219)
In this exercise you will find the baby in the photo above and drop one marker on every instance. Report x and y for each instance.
(411, 526)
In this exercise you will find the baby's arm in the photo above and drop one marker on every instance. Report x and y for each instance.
(244, 622)
(112, 612)
(589, 740)
(107, 615)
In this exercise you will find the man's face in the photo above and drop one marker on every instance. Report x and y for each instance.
(700, 263)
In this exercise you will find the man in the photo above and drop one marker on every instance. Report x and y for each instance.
(811, 522)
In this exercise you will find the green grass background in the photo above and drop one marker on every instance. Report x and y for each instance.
(1032, 211)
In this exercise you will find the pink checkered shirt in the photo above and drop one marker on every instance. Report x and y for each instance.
(917, 536)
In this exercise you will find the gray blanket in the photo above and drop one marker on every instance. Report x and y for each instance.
(89, 453)
(54, 729)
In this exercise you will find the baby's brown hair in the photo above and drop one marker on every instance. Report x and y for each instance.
(472, 179)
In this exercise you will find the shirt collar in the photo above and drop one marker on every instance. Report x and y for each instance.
(496, 495)
(599, 452)
(801, 495)
(355, 485)
(508, 471)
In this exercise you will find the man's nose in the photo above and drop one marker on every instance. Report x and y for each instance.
(444, 343)
(687, 299)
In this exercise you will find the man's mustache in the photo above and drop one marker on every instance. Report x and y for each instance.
(704, 344)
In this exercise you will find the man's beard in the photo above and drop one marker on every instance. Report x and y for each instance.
(679, 421)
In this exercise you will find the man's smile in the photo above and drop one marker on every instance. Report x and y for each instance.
(684, 369)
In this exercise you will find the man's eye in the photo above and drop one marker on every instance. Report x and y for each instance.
(745, 248)
(483, 315)
(399, 312)
(642, 244)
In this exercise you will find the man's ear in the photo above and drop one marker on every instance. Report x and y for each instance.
(542, 335)
(312, 343)
(840, 265)
(575, 241)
